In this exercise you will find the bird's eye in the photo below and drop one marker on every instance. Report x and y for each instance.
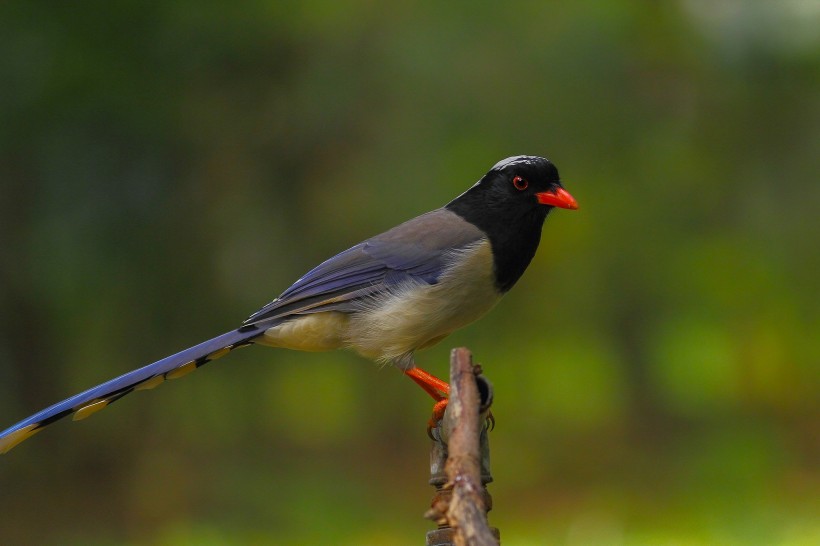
(520, 183)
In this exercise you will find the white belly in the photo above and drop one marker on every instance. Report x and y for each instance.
(391, 326)
(416, 316)
(314, 332)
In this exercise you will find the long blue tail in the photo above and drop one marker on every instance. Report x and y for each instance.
(84, 404)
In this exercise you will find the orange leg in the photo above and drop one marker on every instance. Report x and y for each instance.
(436, 388)
(431, 384)
(439, 390)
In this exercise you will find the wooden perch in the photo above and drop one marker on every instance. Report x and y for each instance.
(460, 460)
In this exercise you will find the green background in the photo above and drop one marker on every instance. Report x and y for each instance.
(166, 168)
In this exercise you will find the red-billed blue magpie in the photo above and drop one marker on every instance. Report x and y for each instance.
(387, 297)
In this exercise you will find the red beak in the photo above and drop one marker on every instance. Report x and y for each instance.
(559, 197)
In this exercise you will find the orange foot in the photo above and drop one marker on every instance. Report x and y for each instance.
(438, 414)
(436, 388)
(439, 390)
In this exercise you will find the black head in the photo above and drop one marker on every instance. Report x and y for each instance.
(520, 185)
(510, 204)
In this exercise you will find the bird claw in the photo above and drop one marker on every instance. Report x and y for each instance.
(438, 414)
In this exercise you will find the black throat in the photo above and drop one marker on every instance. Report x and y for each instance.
(514, 231)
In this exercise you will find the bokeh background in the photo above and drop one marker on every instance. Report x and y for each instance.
(168, 167)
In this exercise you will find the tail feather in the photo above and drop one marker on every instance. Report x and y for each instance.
(86, 403)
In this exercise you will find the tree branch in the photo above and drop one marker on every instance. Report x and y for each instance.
(462, 501)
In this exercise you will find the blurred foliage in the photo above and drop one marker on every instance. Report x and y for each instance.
(168, 167)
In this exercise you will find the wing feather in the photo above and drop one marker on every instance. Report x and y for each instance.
(418, 250)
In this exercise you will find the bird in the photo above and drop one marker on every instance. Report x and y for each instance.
(385, 298)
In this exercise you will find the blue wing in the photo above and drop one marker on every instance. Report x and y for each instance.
(418, 251)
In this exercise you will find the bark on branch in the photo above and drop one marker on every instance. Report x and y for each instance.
(461, 503)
